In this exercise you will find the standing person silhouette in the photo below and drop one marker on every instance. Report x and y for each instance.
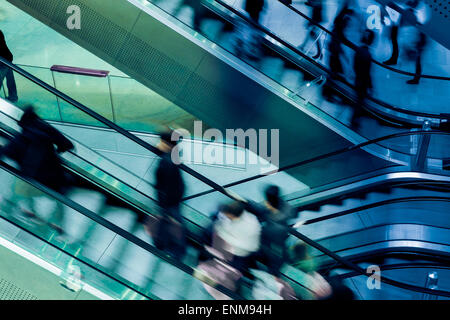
(314, 31)
(362, 66)
(35, 153)
(336, 52)
(170, 190)
(6, 54)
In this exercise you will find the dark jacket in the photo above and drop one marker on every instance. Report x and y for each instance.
(4, 50)
(362, 66)
(254, 8)
(275, 231)
(169, 183)
(34, 151)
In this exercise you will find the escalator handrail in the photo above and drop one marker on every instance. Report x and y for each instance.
(397, 252)
(361, 271)
(75, 257)
(324, 156)
(323, 68)
(112, 227)
(109, 124)
(353, 46)
(375, 205)
(186, 169)
(138, 207)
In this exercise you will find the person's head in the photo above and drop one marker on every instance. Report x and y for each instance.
(412, 3)
(169, 139)
(272, 194)
(28, 117)
(233, 210)
(368, 37)
(299, 251)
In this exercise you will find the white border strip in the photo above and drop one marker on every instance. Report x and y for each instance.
(49, 267)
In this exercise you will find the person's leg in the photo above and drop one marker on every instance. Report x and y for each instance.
(123, 246)
(91, 225)
(57, 218)
(361, 95)
(319, 50)
(3, 71)
(11, 83)
(394, 39)
(418, 72)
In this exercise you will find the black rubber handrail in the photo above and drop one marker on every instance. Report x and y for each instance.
(325, 69)
(186, 169)
(353, 46)
(143, 209)
(396, 266)
(375, 205)
(113, 228)
(109, 123)
(361, 271)
(324, 156)
(99, 270)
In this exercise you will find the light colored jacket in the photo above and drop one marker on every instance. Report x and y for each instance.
(242, 235)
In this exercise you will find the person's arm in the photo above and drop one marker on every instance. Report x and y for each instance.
(62, 143)
(257, 209)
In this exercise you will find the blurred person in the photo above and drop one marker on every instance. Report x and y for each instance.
(34, 151)
(6, 54)
(254, 9)
(339, 291)
(303, 268)
(198, 11)
(362, 65)
(237, 235)
(397, 20)
(313, 30)
(218, 270)
(274, 215)
(419, 39)
(270, 287)
(248, 38)
(171, 232)
(416, 54)
(336, 52)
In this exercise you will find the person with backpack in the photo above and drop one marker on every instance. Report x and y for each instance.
(274, 215)
(35, 153)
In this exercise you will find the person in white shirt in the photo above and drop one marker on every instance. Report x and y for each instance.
(238, 234)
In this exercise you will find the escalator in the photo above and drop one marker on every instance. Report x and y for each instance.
(197, 75)
(111, 235)
(411, 109)
(202, 66)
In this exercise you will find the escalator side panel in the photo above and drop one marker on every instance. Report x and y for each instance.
(192, 76)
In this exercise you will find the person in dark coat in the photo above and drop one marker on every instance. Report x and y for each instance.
(394, 29)
(274, 215)
(6, 54)
(335, 49)
(362, 66)
(34, 151)
(170, 190)
(169, 182)
(254, 9)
